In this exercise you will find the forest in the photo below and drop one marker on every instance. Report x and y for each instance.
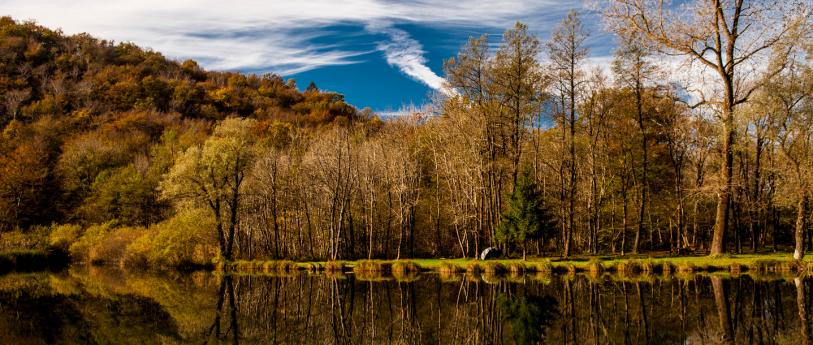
(114, 154)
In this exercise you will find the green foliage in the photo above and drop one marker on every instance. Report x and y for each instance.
(126, 194)
(527, 217)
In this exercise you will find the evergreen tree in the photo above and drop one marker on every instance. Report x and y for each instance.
(527, 217)
(312, 88)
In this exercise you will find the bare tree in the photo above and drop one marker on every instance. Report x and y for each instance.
(567, 53)
(729, 37)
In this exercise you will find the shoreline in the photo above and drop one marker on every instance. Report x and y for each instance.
(640, 265)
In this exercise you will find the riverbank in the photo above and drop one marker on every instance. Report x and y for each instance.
(735, 264)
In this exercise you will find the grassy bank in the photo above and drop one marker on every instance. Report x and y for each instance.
(753, 263)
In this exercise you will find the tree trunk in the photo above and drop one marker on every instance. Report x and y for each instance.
(644, 172)
(723, 202)
(801, 224)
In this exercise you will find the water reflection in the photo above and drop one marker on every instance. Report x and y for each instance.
(105, 306)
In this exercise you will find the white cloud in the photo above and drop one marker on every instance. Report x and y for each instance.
(405, 53)
(276, 35)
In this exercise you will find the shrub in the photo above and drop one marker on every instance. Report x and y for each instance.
(280, 266)
(647, 266)
(371, 266)
(405, 270)
(448, 267)
(595, 268)
(63, 236)
(94, 235)
(334, 266)
(541, 266)
(185, 240)
(404, 267)
(494, 268)
(33, 239)
(629, 267)
(474, 267)
(516, 268)
(312, 266)
(685, 267)
(111, 249)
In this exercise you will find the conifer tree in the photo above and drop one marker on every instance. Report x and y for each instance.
(527, 217)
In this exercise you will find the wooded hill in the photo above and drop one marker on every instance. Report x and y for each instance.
(90, 125)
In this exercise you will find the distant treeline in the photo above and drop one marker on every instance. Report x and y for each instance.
(116, 154)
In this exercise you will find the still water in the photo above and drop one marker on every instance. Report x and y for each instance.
(110, 306)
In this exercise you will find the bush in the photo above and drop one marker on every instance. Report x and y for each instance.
(494, 268)
(279, 266)
(371, 266)
(63, 236)
(33, 239)
(111, 250)
(185, 240)
(474, 268)
(448, 267)
(100, 244)
(403, 267)
(405, 270)
(94, 235)
(334, 266)
(540, 267)
(516, 268)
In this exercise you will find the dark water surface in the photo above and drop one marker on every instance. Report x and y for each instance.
(109, 306)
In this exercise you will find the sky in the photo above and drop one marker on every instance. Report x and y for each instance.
(383, 54)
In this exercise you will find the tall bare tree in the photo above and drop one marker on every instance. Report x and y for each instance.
(567, 53)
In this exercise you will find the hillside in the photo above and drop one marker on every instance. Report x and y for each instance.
(81, 116)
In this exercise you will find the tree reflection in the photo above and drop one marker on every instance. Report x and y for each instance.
(226, 291)
(723, 309)
(804, 329)
(529, 316)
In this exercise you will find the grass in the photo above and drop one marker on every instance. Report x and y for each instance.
(596, 266)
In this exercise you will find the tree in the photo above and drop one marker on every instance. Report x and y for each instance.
(13, 100)
(518, 84)
(567, 53)
(633, 71)
(729, 37)
(792, 108)
(312, 88)
(23, 174)
(212, 175)
(527, 216)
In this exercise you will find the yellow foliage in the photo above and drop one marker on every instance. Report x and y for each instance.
(64, 235)
(186, 238)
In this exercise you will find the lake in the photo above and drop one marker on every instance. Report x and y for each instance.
(94, 305)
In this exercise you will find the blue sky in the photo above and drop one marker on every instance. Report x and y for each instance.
(381, 54)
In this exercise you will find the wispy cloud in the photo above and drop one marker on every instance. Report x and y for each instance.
(277, 36)
(407, 54)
